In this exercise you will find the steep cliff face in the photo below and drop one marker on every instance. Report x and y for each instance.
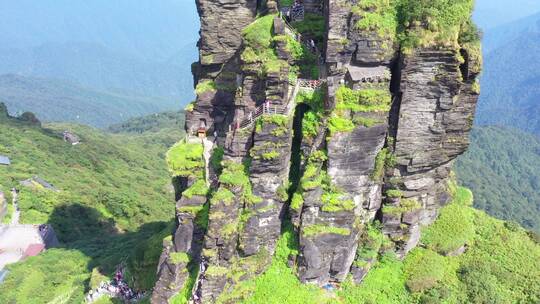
(343, 137)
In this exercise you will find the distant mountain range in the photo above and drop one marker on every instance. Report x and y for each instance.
(54, 100)
(510, 83)
(75, 58)
(491, 13)
(94, 65)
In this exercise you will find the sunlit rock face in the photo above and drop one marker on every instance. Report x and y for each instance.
(383, 163)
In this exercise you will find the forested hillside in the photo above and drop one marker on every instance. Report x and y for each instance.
(156, 122)
(502, 168)
(113, 205)
(510, 92)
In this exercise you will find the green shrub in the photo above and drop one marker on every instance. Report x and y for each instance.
(179, 257)
(454, 227)
(297, 201)
(216, 159)
(333, 201)
(370, 243)
(198, 188)
(338, 124)
(393, 193)
(205, 86)
(423, 269)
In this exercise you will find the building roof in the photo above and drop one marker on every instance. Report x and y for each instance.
(36, 180)
(4, 160)
(33, 250)
(369, 74)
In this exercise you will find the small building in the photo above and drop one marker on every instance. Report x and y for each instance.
(359, 78)
(4, 160)
(37, 182)
(71, 138)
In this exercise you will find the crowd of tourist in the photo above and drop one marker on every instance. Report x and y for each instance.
(117, 288)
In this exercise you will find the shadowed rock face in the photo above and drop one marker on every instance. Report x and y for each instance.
(407, 148)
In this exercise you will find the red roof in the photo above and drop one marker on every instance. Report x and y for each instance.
(33, 250)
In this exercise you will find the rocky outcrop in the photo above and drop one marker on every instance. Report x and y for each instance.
(376, 153)
(436, 113)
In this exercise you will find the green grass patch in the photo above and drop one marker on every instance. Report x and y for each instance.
(179, 257)
(318, 229)
(366, 100)
(216, 271)
(186, 159)
(384, 284)
(405, 205)
(379, 16)
(198, 188)
(454, 227)
(222, 195)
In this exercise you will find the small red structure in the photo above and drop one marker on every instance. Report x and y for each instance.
(33, 250)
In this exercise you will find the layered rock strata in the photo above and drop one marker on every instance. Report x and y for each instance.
(369, 152)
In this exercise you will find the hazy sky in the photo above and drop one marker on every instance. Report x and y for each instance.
(490, 13)
(152, 28)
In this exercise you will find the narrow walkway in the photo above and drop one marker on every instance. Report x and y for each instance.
(16, 211)
(207, 154)
(208, 145)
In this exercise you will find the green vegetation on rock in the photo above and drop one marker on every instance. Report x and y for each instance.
(258, 37)
(179, 257)
(313, 116)
(365, 100)
(186, 159)
(198, 188)
(379, 16)
(236, 175)
(317, 229)
(205, 86)
(349, 102)
(313, 26)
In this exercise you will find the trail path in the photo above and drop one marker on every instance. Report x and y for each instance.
(16, 211)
